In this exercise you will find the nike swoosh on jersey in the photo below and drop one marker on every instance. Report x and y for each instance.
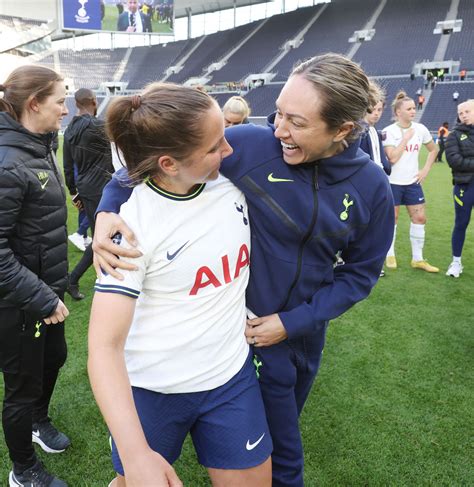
(250, 446)
(278, 180)
(44, 184)
(172, 256)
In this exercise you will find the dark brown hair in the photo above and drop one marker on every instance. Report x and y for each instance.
(344, 87)
(166, 119)
(27, 82)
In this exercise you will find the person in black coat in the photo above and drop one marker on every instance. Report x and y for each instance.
(87, 147)
(460, 157)
(134, 20)
(33, 267)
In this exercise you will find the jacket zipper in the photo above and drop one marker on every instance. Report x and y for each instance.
(50, 157)
(307, 236)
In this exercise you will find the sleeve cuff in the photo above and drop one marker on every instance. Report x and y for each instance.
(115, 289)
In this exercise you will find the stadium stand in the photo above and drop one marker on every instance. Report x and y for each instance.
(330, 32)
(221, 98)
(148, 64)
(460, 45)
(90, 68)
(20, 33)
(212, 50)
(403, 36)
(441, 107)
(262, 99)
(264, 45)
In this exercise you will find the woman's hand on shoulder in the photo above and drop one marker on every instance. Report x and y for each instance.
(106, 253)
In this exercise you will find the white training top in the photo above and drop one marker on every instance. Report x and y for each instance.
(375, 142)
(187, 333)
(404, 172)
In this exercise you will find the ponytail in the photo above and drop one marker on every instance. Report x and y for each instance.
(400, 98)
(166, 119)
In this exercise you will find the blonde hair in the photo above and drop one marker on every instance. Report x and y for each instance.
(237, 105)
(345, 89)
(398, 101)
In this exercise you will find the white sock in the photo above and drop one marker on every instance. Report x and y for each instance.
(391, 250)
(417, 239)
(456, 259)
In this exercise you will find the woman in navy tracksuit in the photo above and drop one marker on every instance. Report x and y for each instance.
(315, 200)
(460, 157)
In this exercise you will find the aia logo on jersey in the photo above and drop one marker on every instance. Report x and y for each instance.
(412, 148)
(206, 277)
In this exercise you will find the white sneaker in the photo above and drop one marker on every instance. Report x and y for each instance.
(87, 241)
(454, 269)
(78, 241)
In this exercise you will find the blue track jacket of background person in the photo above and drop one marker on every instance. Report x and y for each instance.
(320, 234)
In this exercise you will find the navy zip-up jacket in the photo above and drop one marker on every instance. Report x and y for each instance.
(302, 218)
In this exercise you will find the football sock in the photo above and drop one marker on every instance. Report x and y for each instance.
(391, 250)
(417, 239)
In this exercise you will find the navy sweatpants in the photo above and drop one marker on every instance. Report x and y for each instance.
(463, 195)
(287, 372)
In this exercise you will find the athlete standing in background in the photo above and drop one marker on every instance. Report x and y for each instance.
(460, 157)
(403, 142)
(371, 139)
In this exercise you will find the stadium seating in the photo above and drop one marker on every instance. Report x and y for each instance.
(403, 36)
(148, 64)
(262, 100)
(441, 107)
(212, 49)
(264, 45)
(330, 32)
(460, 45)
(90, 68)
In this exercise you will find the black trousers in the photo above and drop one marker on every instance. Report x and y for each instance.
(90, 207)
(30, 369)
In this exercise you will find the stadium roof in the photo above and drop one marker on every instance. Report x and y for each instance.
(48, 9)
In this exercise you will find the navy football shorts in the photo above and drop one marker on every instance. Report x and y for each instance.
(228, 426)
(407, 195)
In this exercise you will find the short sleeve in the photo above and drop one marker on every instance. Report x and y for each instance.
(388, 139)
(425, 135)
(132, 282)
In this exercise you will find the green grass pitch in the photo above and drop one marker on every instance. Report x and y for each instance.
(392, 405)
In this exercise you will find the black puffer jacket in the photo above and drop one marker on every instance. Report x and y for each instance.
(33, 236)
(460, 153)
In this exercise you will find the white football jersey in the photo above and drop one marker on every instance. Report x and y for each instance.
(404, 171)
(188, 328)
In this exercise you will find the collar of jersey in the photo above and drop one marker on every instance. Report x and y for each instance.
(405, 128)
(174, 196)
